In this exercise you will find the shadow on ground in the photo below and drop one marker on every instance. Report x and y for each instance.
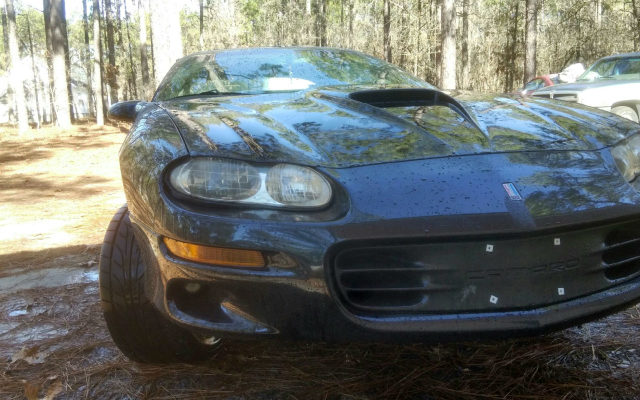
(16, 149)
(27, 188)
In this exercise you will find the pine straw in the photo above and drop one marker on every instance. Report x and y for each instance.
(580, 363)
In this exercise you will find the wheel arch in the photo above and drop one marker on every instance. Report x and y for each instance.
(633, 104)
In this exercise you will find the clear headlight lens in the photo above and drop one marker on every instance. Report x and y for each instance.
(297, 186)
(627, 157)
(226, 180)
(233, 181)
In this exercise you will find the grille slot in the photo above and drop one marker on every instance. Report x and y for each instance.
(380, 280)
(566, 97)
(621, 255)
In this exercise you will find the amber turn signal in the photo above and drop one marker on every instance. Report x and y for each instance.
(215, 255)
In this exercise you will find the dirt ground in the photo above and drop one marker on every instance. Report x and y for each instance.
(58, 191)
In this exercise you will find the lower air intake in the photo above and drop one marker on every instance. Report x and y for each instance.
(621, 255)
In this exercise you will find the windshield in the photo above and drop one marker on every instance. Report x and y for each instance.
(254, 71)
(615, 68)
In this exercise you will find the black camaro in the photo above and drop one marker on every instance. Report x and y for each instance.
(327, 195)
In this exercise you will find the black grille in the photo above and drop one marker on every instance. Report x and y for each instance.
(621, 256)
(485, 275)
(571, 97)
(566, 97)
(383, 279)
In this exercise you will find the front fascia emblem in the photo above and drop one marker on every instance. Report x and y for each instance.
(511, 190)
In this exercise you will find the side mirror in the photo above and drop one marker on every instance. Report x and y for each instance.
(125, 110)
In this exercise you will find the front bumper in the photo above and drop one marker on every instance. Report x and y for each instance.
(309, 301)
(442, 207)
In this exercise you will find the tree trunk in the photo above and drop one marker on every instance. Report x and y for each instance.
(16, 82)
(97, 62)
(316, 22)
(5, 32)
(87, 56)
(448, 65)
(417, 50)
(531, 40)
(106, 98)
(167, 37)
(307, 26)
(61, 94)
(67, 62)
(112, 69)
(201, 38)
(153, 58)
(351, 23)
(34, 71)
(512, 44)
(636, 14)
(464, 76)
(323, 22)
(46, 12)
(405, 36)
(386, 30)
(119, 23)
(435, 57)
(133, 87)
(144, 62)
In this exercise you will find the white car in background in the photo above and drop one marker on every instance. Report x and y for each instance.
(611, 83)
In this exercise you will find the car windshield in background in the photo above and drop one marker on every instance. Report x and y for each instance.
(616, 68)
(258, 71)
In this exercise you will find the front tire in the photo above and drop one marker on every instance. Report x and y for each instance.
(625, 112)
(136, 326)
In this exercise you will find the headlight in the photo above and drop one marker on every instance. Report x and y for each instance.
(233, 181)
(627, 157)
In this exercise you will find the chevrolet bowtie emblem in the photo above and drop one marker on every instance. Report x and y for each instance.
(511, 190)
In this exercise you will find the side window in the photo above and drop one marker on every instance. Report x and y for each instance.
(627, 66)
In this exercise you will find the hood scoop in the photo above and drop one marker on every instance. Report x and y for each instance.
(388, 98)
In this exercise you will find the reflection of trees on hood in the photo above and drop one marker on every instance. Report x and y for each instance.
(352, 67)
(563, 182)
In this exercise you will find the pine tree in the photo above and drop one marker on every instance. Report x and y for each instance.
(17, 85)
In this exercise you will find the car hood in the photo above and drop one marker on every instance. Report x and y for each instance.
(581, 86)
(336, 127)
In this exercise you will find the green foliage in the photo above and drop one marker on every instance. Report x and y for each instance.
(568, 31)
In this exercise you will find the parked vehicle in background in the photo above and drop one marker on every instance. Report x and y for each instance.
(568, 75)
(571, 73)
(539, 82)
(611, 83)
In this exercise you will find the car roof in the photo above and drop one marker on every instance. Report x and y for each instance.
(621, 55)
(267, 49)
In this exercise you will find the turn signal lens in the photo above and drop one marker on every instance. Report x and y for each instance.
(215, 255)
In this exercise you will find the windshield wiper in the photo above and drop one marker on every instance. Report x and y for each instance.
(212, 92)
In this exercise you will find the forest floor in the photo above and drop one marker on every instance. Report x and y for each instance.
(58, 191)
